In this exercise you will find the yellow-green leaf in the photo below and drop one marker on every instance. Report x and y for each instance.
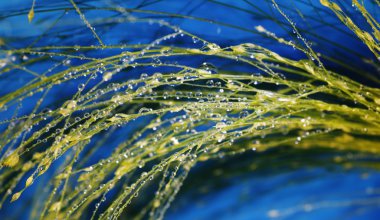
(31, 15)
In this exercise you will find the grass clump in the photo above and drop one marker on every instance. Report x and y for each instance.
(152, 115)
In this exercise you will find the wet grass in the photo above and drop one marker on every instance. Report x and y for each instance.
(176, 113)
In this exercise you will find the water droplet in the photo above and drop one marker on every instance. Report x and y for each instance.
(208, 67)
(107, 76)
